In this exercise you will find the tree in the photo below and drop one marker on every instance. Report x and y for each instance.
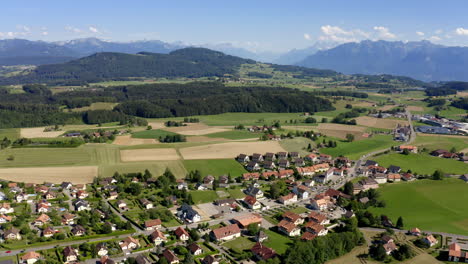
(253, 229)
(378, 252)
(350, 137)
(453, 150)
(348, 188)
(405, 152)
(437, 175)
(399, 223)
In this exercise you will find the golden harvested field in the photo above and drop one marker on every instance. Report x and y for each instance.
(415, 108)
(229, 150)
(379, 122)
(195, 129)
(330, 126)
(127, 140)
(340, 131)
(149, 154)
(38, 132)
(156, 125)
(204, 139)
(386, 107)
(462, 94)
(75, 174)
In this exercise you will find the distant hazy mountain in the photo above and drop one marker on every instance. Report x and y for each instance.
(187, 62)
(88, 46)
(20, 51)
(422, 60)
(230, 49)
(296, 55)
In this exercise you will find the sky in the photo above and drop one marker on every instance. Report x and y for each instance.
(256, 25)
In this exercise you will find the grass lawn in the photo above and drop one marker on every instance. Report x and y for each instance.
(240, 243)
(96, 106)
(216, 167)
(31, 157)
(248, 119)
(204, 196)
(427, 204)
(10, 133)
(298, 144)
(299, 210)
(422, 163)
(235, 193)
(235, 134)
(434, 142)
(156, 133)
(156, 168)
(356, 149)
(277, 242)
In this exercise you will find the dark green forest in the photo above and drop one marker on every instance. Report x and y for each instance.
(39, 107)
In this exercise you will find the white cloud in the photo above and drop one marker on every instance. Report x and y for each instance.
(73, 29)
(419, 33)
(461, 31)
(384, 32)
(337, 34)
(44, 33)
(439, 31)
(307, 36)
(93, 29)
(23, 28)
(435, 38)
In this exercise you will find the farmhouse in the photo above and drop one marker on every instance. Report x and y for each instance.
(262, 253)
(320, 204)
(188, 214)
(252, 203)
(146, 203)
(226, 232)
(293, 218)
(246, 220)
(430, 240)
(288, 228)
(195, 249)
(318, 218)
(308, 236)
(412, 149)
(70, 254)
(153, 224)
(288, 199)
(78, 230)
(129, 243)
(68, 219)
(30, 257)
(170, 256)
(254, 191)
(380, 178)
(394, 177)
(12, 234)
(311, 157)
(455, 254)
(415, 231)
(157, 237)
(101, 249)
(316, 228)
(41, 220)
(182, 234)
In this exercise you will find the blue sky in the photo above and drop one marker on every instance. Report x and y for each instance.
(257, 25)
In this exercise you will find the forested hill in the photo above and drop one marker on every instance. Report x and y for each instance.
(188, 62)
(37, 106)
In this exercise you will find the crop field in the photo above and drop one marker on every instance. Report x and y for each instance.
(10, 133)
(75, 174)
(235, 134)
(216, 167)
(356, 149)
(340, 131)
(38, 132)
(155, 167)
(298, 144)
(433, 142)
(152, 134)
(205, 139)
(422, 163)
(379, 122)
(128, 140)
(42, 157)
(229, 150)
(195, 129)
(149, 154)
(96, 106)
(427, 204)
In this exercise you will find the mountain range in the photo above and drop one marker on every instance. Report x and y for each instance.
(421, 60)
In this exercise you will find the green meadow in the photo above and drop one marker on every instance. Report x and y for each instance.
(422, 163)
(356, 149)
(216, 167)
(427, 204)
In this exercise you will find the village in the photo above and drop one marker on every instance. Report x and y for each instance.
(145, 219)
